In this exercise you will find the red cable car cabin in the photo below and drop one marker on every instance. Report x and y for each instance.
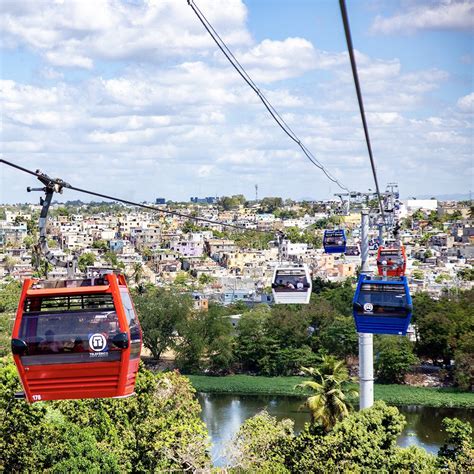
(76, 339)
(391, 260)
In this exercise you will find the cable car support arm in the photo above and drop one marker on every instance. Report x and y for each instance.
(51, 186)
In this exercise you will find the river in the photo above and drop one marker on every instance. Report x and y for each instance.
(223, 415)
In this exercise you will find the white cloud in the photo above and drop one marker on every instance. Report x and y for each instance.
(448, 137)
(435, 15)
(176, 110)
(74, 32)
(466, 103)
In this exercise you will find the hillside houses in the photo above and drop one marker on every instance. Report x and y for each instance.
(439, 240)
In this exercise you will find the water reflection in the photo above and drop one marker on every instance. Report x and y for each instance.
(424, 425)
(223, 415)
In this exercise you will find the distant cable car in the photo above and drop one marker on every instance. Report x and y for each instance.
(391, 261)
(291, 284)
(352, 250)
(334, 241)
(76, 339)
(382, 306)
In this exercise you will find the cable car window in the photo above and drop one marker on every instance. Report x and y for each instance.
(290, 280)
(75, 336)
(135, 344)
(389, 300)
(334, 240)
(68, 302)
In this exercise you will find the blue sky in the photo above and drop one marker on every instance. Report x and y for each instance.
(134, 99)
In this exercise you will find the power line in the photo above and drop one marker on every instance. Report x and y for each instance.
(350, 48)
(125, 201)
(273, 112)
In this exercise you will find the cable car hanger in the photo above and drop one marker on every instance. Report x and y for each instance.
(50, 187)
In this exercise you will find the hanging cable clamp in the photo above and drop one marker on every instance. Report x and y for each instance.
(50, 184)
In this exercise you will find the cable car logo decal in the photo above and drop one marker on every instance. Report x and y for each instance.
(97, 342)
(368, 307)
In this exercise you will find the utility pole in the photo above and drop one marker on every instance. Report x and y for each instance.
(256, 192)
(366, 341)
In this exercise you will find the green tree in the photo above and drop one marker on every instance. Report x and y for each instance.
(87, 259)
(442, 277)
(181, 279)
(9, 297)
(339, 337)
(205, 279)
(466, 274)
(252, 344)
(394, 359)
(137, 273)
(28, 241)
(364, 441)
(442, 324)
(329, 403)
(270, 204)
(255, 446)
(112, 259)
(160, 313)
(232, 202)
(464, 362)
(418, 215)
(75, 449)
(190, 226)
(101, 245)
(274, 342)
(22, 427)
(157, 430)
(412, 459)
(457, 454)
(9, 263)
(206, 341)
(418, 275)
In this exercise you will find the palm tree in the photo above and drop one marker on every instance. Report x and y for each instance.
(137, 273)
(329, 403)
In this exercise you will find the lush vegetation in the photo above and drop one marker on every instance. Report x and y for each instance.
(363, 441)
(446, 332)
(157, 430)
(329, 401)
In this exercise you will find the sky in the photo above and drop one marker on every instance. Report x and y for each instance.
(132, 98)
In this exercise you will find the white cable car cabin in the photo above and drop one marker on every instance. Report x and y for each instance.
(291, 284)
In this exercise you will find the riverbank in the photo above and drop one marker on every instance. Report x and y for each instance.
(391, 394)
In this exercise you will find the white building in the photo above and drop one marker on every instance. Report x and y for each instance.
(423, 204)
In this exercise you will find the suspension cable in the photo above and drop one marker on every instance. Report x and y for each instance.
(350, 48)
(273, 112)
(125, 201)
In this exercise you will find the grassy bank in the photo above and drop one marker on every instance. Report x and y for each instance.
(392, 394)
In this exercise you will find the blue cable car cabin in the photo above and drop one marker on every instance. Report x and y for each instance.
(334, 241)
(382, 306)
